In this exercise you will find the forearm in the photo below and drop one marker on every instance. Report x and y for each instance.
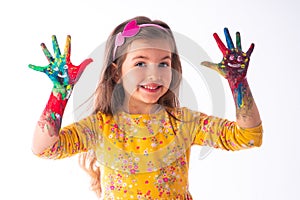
(64, 76)
(247, 114)
(49, 124)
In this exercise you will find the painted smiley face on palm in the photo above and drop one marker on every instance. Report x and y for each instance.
(58, 73)
(236, 59)
(235, 64)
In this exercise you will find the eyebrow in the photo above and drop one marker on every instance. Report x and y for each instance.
(147, 58)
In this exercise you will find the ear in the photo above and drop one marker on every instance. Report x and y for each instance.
(116, 73)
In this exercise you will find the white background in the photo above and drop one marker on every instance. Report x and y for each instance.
(269, 172)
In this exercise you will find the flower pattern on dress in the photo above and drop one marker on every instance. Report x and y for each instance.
(147, 156)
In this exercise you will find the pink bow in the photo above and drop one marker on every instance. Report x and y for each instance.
(130, 30)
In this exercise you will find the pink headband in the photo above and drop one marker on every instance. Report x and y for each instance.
(131, 29)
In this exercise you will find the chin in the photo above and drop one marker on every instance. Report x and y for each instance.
(149, 102)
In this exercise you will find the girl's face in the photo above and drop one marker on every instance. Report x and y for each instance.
(146, 74)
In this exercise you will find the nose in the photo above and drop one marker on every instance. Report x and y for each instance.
(153, 72)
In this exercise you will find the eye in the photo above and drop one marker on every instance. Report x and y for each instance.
(140, 64)
(55, 69)
(66, 67)
(231, 57)
(163, 64)
(239, 58)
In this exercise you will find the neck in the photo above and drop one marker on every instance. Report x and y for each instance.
(141, 109)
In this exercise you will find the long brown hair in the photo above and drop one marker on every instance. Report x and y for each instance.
(109, 93)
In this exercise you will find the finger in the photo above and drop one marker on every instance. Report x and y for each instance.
(37, 68)
(220, 44)
(210, 65)
(55, 46)
(85, 63)
(67, 51)
(250, 50)
(47, 53)
(221, 69)
(82, 67)
(238, 41)
(228, 39)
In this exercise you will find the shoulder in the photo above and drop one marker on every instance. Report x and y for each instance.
(92, 119)
(184, 113)
(102, 117)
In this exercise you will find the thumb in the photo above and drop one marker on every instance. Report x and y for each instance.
(216, 67)
(85, 63)
(82, 67)
(210, 65)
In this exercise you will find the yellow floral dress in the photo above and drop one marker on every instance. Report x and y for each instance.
(146, 156)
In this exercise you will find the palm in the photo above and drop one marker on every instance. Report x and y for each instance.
(60, 70)
(235, 62)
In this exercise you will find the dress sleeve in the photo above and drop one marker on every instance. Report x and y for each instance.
(222, 133)
(75, 138)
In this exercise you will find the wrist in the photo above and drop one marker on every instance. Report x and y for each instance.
(52, 115)
(62, 90)
(56, 102)
(234, 83)
(241, 92)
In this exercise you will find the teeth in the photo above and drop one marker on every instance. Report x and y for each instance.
(149, 87)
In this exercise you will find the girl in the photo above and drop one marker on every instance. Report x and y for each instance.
(136, 143)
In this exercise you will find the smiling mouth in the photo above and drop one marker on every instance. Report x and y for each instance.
(151, 88)
(234, 65)
(62, 76)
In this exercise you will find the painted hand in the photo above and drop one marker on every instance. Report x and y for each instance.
(235, 62)
(60, 70)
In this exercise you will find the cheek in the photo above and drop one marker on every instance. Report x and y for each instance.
(167, 77)
(131, 79)
(166, 72)
(133, 76)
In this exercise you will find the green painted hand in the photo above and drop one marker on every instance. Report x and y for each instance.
(60, 70)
